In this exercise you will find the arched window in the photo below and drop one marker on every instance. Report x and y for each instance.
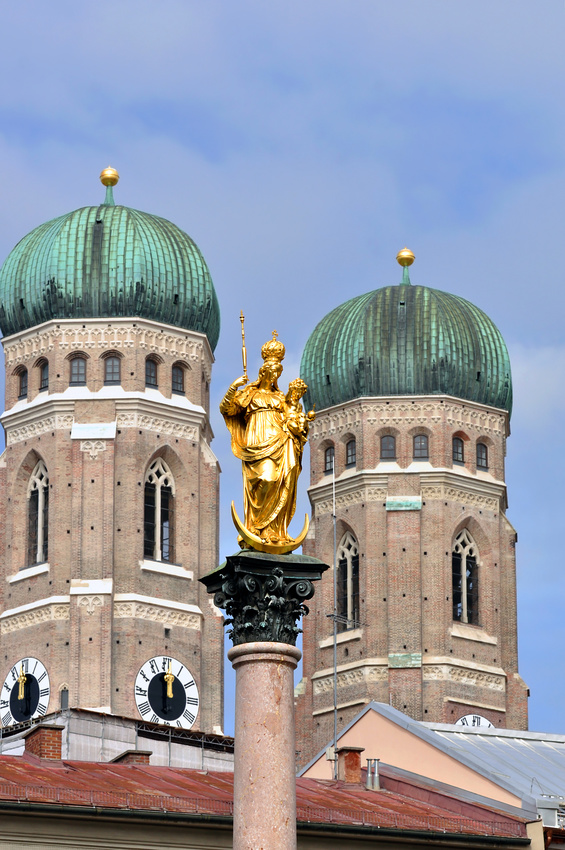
(388, 448)
(482, 456)
(178, 379)
(329, 456)
(458, 451)
(465, 571)
(421, 447)
(22, 383)
(159, 512)
(78, 370)
(151, 372)
(351, 453)
(38, 515)
(112, 370)
(347, 583)
(44, 375)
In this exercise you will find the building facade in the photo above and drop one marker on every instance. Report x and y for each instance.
(414, 394)
(109, 487)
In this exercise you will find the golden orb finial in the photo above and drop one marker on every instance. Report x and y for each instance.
(405, 257)
(109, 177)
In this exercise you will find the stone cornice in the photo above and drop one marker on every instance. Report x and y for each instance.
(117, 333)
(371, 486)
(133, 410)
(409, 410)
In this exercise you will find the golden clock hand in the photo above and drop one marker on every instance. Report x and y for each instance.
(22, 679)
(169, 679)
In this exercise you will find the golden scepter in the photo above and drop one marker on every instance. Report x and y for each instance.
(243, 349)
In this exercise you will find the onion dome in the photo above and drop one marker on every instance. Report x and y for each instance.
(406, 340)
(108, 261)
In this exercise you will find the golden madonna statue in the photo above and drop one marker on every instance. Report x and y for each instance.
(268, 433)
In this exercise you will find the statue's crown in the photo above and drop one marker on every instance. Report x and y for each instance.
(274, 349)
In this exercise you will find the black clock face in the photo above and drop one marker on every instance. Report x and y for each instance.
(165, 692)
(25, 692)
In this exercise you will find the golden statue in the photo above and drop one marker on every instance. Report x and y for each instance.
(169, 679)
(268, 433)
(22, 679)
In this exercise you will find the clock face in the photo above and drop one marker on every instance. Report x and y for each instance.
(165, 692)
(474, 720)
(25, 692)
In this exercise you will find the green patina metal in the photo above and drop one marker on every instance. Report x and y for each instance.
(406, 340)
(108, 261)
(404, 503)
(404, 660)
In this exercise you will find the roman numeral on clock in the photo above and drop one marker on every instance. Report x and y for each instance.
(192, 700)
(188, 684)
(44, 692)
(144, 708)
(41, 709)
(188, 716)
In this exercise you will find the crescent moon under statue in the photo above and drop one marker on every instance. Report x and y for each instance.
(255, 542)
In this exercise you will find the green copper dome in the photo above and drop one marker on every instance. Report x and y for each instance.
(407, 340)
(108, 261)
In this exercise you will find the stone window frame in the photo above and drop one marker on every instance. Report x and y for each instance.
(108, 357)
(158, 533)
(347, 582)
(37, 515)
(485, 455)
(351, 452)
(458, 450)
(75, 358)
(179, 367)
(465, 570)
(152, 361)
(417, 452)
(42, 365)
(329, 459)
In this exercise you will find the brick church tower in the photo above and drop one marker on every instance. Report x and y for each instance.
(414, 394)
(108, 484)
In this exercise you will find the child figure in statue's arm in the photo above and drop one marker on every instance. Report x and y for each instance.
(296, 420)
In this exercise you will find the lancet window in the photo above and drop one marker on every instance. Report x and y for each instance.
(482, 456)
(465, 571)
(158, 544)
(178, 379)
(347, 583)
(38, 515)
(22, 384)
(44, 375)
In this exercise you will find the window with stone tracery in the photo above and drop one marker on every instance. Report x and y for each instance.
(158, 538)
(347, 583)
(465, 578)
(38, 515)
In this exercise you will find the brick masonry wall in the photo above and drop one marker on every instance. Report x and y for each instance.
(87, 640)
(408, 651)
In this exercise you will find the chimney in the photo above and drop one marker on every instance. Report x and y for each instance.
(132, 757)
(44, 742)
(349, 764)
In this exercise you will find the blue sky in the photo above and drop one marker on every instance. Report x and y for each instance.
(301, 144)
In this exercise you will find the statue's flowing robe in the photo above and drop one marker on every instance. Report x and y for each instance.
(270, 458)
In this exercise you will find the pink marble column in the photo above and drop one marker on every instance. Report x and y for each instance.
(264, 775)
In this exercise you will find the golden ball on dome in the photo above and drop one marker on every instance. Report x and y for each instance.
(109, 177)
(405, 257)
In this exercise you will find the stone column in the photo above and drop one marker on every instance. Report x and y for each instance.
(264, 596)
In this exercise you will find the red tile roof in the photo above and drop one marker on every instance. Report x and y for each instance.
(139, 787)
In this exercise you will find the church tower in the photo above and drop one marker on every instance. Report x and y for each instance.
(413, 392)
(109, 487)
